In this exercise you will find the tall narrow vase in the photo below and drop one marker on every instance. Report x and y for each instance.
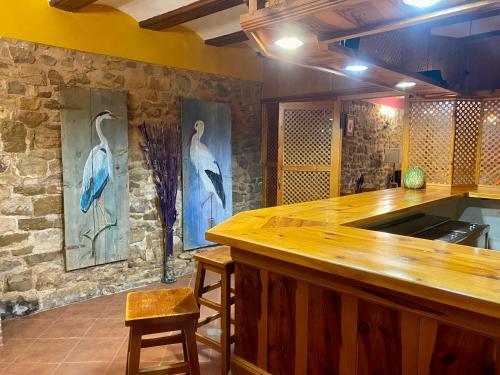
(168, 267)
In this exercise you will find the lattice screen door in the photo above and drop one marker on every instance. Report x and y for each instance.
(309, 148)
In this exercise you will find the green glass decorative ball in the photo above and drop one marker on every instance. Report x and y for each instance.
(414, 178)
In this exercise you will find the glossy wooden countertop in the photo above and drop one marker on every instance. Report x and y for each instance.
(320, 235)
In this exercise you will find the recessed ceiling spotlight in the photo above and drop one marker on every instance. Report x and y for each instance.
(289, 43)
(405, 85)
(356, 68)
(421, 3)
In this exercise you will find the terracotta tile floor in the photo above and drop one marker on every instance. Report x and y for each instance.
(89, 338)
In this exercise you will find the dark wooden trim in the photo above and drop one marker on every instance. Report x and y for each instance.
(361, 93)
(70, 5)
(224, 40)
(459, 13)
(481, 36)
(198, 9)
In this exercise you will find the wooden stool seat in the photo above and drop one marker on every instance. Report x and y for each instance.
(159, 311)
(219, 261)
(218, 257)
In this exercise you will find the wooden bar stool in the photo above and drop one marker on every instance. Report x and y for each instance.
(158, 311)
(219, 261)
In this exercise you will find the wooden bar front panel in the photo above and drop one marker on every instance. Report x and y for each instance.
(288, 326)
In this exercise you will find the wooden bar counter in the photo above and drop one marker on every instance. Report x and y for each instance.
(317, 295)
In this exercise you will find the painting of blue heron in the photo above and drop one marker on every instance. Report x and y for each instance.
(206, 169)
(95, 175)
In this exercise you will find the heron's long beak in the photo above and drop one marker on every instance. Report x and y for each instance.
(115, 117)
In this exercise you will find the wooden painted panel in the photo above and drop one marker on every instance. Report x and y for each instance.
(247, 311)
(281, 325)
(101, 235)
(379, 340)
(460, 352)
(324, 333)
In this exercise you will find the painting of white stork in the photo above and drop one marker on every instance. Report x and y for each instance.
(207, 185)
(206, 166)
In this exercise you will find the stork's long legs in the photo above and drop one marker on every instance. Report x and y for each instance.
(211, 219)
(107, 224)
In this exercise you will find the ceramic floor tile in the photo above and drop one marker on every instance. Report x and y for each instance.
(48, 351)
(104, 327)
(94, 349)
(25, 328)
(83, 368)
(30, 369)
(13, 348)
(52, 314)
(87, 338)
(68, 327)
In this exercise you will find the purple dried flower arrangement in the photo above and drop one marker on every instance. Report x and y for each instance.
(162, 150)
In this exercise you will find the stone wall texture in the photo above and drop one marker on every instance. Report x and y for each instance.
(32, 272)
(363, 154)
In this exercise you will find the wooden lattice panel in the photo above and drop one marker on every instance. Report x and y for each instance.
(490, 144)
(304, 186)
(307, 137)
(467, 119)
(431, 127)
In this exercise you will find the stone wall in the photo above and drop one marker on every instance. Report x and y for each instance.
(32, 272)
(363, 154)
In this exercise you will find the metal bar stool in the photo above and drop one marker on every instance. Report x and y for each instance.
(219, 261)
(160, 311)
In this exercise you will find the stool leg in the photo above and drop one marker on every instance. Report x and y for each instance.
(184, 347)
(200, 282)
(190, 338)
(134, 351)
(225, 322)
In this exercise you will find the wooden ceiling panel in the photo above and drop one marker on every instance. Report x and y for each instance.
(198, 9)
(346, 19)
(70, 5)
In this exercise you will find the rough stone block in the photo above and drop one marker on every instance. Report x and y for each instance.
(37, 223)
(16, 88)
(16, 206)
(47, 205)
(13, 136)
(31, 118)
(20, 282)
(22, 251)
(29, 189)
(9, 265)
(21, 55)
(35, 259)
(10, 239)
(32, 167)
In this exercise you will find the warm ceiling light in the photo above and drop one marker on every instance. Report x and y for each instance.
(405, 85)
(421, 3)
(356, 68)
(289, 43)
(387, 111)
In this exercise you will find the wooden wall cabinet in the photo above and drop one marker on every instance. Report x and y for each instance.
(293, 320)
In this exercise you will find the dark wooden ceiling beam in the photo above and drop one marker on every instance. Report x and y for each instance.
(432, 17)
(224, 40)
(198, 9)
(70, 5)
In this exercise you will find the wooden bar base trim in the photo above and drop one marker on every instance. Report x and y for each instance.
(294, 322)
